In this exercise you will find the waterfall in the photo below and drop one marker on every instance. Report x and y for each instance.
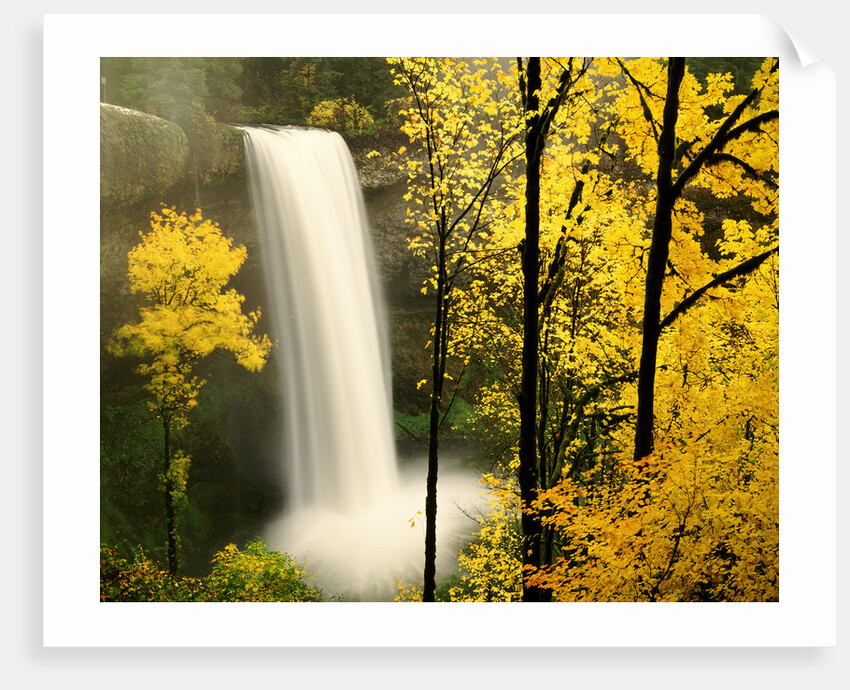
(328, 316)
(350, 510)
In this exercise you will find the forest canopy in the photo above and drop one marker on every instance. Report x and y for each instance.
(266, 90)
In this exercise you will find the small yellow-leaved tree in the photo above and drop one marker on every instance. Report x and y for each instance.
(343, 115)
(182, 267)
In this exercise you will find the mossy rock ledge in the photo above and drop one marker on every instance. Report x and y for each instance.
(140, 155)
(143, 156)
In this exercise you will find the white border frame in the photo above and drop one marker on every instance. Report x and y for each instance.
(73, 615)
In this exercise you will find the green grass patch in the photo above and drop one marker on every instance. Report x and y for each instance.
(457, 425)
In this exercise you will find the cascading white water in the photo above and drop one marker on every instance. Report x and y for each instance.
(328, 317)
(348, 509)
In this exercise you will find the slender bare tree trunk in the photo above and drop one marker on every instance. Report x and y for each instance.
(659, 250)
(437, 375)
(529, 480)
(170, 511)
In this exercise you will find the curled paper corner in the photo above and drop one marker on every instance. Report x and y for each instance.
(795, 49)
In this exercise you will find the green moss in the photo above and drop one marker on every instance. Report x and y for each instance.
(224, 156)
(144, 157)
(140, 155)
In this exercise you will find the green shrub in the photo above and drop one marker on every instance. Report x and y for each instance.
(255, 574)
(142, 579)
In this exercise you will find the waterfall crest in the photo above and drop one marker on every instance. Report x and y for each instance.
(328, 316)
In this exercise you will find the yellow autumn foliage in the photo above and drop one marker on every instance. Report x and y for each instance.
(697, 519)
(182, 266)
(343, 115)
(693, 525)
(490, 568)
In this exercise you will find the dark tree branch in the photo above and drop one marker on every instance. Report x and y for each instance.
(640, 88)
(742, 269)
(752, 125)
(718, 158)
(557, 266)
(723, 136)
(522, 87)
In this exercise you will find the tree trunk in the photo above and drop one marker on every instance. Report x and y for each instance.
(170, 512)
(659, 250)
(437, 375)
(527, 398)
